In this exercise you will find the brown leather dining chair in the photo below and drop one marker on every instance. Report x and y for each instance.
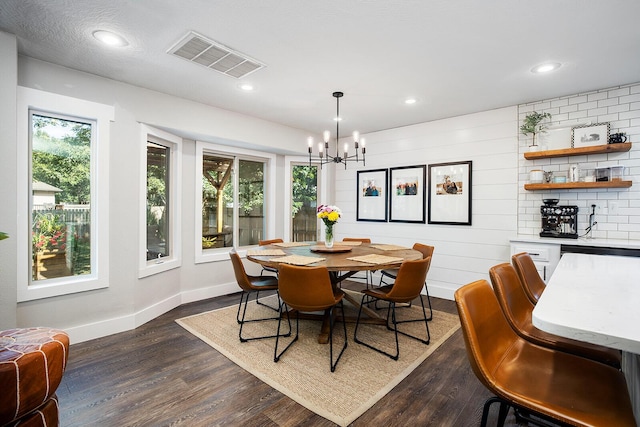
(426, 251)
(518, 311)
(406, 288)
(266, 243)
(249, 285)
(533, 284)
(539, 383)
(368, 278)
(309, 289)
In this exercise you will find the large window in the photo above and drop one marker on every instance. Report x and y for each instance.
(235, 195)
(63, 183)
(60, 196)
(160, 197)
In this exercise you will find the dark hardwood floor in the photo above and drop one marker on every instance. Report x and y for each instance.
(161, 375)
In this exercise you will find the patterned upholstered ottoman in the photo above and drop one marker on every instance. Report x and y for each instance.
(32, 362)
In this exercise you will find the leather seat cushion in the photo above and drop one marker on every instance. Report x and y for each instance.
(32, 362)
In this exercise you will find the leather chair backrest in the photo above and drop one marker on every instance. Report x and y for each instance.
(357, 239)
(240, 272)
(305, 288)
(516, 305)
(269, 242)
(410, 280)
(487, 335)
(426, 250)
(533, 284)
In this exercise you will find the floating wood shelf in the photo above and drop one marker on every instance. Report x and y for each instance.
(571, 185)
(598, 149)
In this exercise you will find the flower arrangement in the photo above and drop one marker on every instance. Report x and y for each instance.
(329, 214)
(49, 233)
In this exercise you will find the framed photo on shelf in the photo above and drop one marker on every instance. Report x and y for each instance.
(406, 194)
(372, 195)
(590, 135)
(450, 193)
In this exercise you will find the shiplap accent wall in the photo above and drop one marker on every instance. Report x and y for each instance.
(618, 209)
(463, 253)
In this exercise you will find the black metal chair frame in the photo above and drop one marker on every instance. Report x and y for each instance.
(391, 315)
(332, 364)
(523, 415)
(386, 273)
(244, 301)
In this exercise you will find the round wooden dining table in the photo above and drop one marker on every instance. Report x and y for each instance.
(339, 261)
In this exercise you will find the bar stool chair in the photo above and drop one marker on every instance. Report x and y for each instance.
(406, 288)
(533, 284)
(309, 289)
(542, 385)
(249, 285)
(518, 310)
(427, 251)
(266, 243)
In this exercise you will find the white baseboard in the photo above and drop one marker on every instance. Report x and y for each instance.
(103, 328)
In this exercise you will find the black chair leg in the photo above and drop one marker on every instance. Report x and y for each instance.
(356, 339)
(502, 414)
(276, 355)
(243, 305)
(266, 305)
(424, 319)
(333, 365)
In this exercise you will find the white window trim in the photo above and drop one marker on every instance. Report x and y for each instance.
(174, 260)
(103, 115)
(322, 182)
(222, 254)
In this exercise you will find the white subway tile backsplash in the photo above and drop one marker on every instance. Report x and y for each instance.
(620, 106)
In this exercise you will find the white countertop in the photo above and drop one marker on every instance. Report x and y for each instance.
(605, 243)
(593, 298)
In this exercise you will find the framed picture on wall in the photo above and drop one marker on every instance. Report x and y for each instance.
(406, 194)
(450, 193)
(590, 135)
(372, 195)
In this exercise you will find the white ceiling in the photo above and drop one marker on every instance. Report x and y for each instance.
(454, 56)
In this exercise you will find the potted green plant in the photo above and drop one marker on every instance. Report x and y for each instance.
(533, 124)
(3, 235)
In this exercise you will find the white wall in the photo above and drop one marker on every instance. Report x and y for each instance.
(129, 301)
(8, 180)
(618, 209)
(462, 253)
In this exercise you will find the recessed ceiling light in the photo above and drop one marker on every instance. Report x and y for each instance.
(110, 39)
(545, 68)
(246, 87)
(410, 101)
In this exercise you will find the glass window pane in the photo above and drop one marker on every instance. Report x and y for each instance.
(217, 202)
(251, 200)
(158, 221)
(61, 196)
(304, 201)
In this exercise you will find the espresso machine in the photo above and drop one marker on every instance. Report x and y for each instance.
(559, 221)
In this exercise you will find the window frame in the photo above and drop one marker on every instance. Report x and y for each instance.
(46, 103)
(174, 259)
(202, 148)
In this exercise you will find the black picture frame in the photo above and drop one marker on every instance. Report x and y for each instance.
(450, 188)
(372, 200)
(407, 191)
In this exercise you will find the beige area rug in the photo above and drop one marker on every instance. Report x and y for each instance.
(362, 376)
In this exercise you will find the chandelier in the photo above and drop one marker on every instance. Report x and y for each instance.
(323, 148)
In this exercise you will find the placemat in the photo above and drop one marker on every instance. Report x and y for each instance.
(298, 259)
(384, 247)
(348, 243)
(291, 244)
(265, 252)
(376, 259)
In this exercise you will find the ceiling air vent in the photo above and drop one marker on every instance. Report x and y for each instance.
(201, 50)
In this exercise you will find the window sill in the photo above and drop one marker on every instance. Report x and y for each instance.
(158, 266)
(58, 287)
